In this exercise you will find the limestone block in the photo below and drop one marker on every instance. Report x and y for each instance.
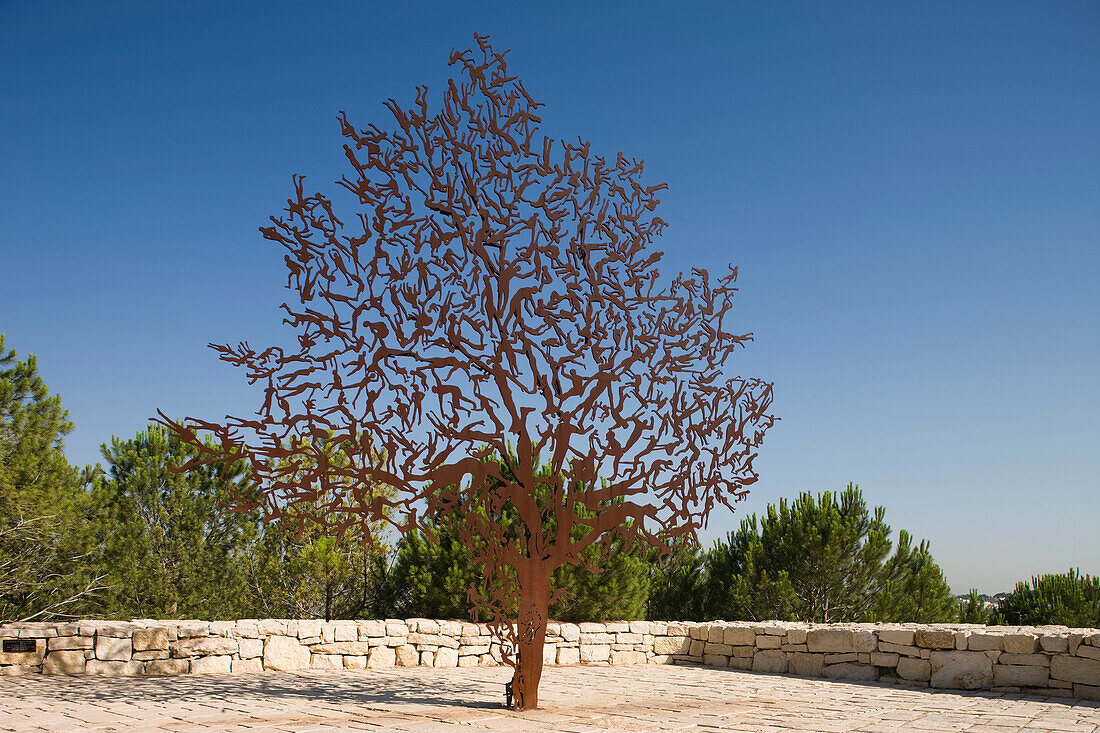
(830, 640)
(218, 628)
(272, 627)
(984, 642)
(396, 628)
(796, 636)
(28, 659)
(203, 646)
(167, 666)
(115, 668)
(371, 629)
(884, 659)
(148, 639)
(618, 627)
(738, 636)
(328, 632)
(961, 670)
(743, 651)
(188, 629)
(480, 649)
(1033, 660)
(864, 641)
(597, 652)
(805, 665)
(675, 629)
(469, 660)
(18, 670)
(1054, 644)
(590, 638)
(1086, 692)
(628, 638)
(670, 645)
(905, 651)
(151, 654)
(841, 658)
(1088, 652)
(769, 660)
(570, 632)
(355, 661)
(251, 648)
(767, 641)
(591, 627)
(406, 656)
(425, 625)
(117, 631)
(935, 638)
(246, 629)
(213, 664)
(246, 666)
(382, 657)
(342, 647)
(914, 669)
(961, 640)
(1020, 676)
(627, 657)
(1020, 643)
(427, 659)
(326, 661)
(711, 648)
(345, 631)
(716, 660)
(696, 648)
(70, 642)
(446, 657)
(715, 633)
(64, 661)
(640, 627)
(309, 629)
(284, 654)
(569, 655)
(740, 663)
(850, 671)
(901, 637)
(70, 629)
(549, 654)
(113, 649)
(794, 648)
(420, 639)
(1075, 669)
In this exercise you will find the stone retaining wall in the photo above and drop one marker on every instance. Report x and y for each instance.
(1049, 660)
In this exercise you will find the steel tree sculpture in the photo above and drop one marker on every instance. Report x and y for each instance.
(492, 338)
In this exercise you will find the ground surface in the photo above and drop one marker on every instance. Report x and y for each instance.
(574, 699)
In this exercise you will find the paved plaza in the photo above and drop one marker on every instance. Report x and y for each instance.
(574, 699)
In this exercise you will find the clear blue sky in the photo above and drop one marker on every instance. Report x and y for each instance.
(911, 191)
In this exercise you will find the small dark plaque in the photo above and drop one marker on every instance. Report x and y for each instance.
(17, 646)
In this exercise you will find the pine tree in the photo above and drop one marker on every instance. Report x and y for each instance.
(167, 549)
(1070, 599)
(973, 610)
(44, 510)
(824, 559)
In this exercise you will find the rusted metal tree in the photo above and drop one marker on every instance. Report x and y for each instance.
(491, 337)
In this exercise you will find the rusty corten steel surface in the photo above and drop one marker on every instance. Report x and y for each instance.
(488, 336)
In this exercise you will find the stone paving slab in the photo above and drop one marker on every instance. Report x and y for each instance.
(574, 700)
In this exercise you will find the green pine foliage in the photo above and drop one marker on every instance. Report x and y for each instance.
(45, 513)
(824, 559)
(167, 549)
(973, 610)
(1069, 599)
(440, 571)
(677, 590)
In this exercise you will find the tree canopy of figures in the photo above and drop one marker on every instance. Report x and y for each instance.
(488, 335)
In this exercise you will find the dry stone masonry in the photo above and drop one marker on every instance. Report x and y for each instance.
(1047, 660)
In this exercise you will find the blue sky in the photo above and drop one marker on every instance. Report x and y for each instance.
(911, 192)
